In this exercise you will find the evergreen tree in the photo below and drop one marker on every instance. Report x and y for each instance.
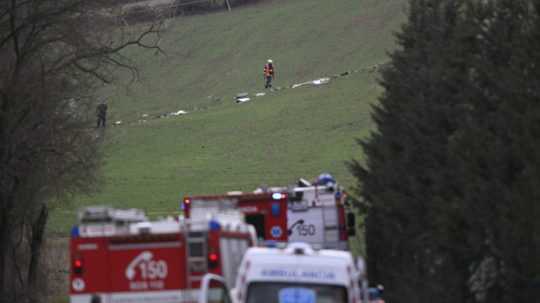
(497, 154)
(451, 169)
(407, 158)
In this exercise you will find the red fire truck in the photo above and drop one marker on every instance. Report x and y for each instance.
(311, 213)
(120, 256)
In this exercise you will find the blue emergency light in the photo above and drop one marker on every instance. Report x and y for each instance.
(276, 209)
(75, 231)
(214, 225)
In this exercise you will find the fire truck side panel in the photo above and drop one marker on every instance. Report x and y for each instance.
(89, 266)
(215, 256)
(305, 226)
(331, 231)
(342, 226)
(330, 219)
(232, 248)
(317, 218)
(148, 266)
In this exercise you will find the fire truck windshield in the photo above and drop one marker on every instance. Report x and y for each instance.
(272, 292)
(200, 208)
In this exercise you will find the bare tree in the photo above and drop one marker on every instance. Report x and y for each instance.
(53, 54)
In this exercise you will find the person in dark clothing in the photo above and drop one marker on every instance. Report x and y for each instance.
(101, 113)
(269, 73)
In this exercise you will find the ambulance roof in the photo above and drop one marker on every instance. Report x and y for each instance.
(321, 256)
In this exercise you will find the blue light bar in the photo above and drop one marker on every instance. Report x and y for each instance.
(75, 231)
(214, 225)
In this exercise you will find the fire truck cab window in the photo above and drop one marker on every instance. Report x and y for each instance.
(257, 220)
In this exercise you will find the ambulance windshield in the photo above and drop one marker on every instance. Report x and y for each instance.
(270, 292)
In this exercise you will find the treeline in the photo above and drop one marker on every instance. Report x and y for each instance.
(451, 181)
(143, 10)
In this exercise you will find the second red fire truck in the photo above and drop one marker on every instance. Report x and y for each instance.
(312, 213)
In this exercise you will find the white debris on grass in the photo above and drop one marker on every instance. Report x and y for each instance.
(144, 116)
(178, 113)
(260, 94)
(118, 122)
(300, 84)
(173, 114)
(242, 97)
(316, 82)
(321, 81)
(242, 100)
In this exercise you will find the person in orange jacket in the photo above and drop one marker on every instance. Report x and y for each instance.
(269, 73)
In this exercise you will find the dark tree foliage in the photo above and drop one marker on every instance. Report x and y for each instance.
(452, 170)
(53, 54)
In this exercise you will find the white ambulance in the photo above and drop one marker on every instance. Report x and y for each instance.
(297, 274)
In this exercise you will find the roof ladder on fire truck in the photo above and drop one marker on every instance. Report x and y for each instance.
(196, 256)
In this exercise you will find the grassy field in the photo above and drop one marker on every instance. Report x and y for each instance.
(221, 146)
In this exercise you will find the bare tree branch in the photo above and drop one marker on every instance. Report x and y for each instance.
(53, 53)
(12, 18)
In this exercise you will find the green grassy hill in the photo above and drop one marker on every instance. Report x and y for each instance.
(221, 146)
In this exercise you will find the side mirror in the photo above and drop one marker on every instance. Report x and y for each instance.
(351, 224)
(213, 290)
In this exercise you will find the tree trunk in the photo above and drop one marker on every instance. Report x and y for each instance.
(38, 230)
(7, 278)
(3, 253)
